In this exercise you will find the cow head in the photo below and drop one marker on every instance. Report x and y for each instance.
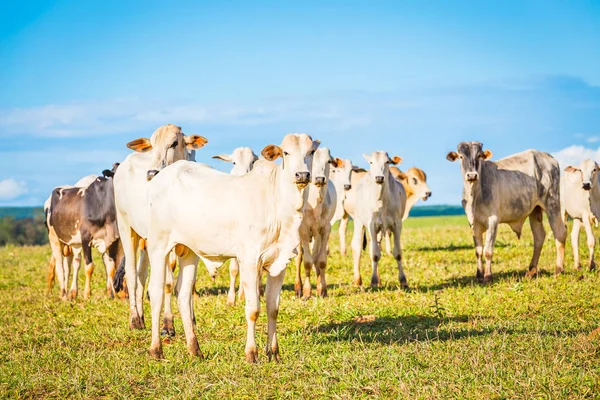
(415, 179)
(470, 154)
(340, 173)
(322, 161)
(168, 144)
(297, 151)
(109, 173)
(380, 162)
(243, 159)
(589, 173)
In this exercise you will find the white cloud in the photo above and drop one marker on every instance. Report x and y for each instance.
(575, 154)
(11, 189)
(593, 139)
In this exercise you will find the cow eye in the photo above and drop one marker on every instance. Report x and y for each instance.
(285, 153)
(415, 181)
(234, 163)
(173, 145)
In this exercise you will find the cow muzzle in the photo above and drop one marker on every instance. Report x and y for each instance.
(379, 179)
(347, 187)
(427, 195)
(471, 176)
(302, 179)
(587, 186)
(320, 181)
(151, 174)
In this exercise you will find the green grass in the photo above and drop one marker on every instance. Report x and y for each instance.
(448, 337)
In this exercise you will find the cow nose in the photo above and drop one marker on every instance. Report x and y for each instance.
(302, 177)
(587, 186)
(151, 174)
(379, 179)
(347, 187)
(472, 176)
(428, 194)
(320, 181)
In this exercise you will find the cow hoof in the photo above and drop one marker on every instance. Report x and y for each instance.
(487, 280)
(137, 323)
(592, 266)
(170, 333)
(274, 355)
(306, 293)
(298, 291)
(231, 301)
(322, 292)
(72, 294)
(157, 353)
(194, 349)
(531, 273)
(403, 283)
(558, 271)
(577, 267)
(87, 295)
(374, 284)
(252, 356)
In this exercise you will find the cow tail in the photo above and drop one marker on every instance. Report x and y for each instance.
(119, 276)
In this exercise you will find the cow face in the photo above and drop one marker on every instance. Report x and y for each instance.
(297, 151)
(322, 161)
(380, 162)
(470, 155)
(415, 179)
(243, 159)
(340, 173)
(168, 144)
(588, 169)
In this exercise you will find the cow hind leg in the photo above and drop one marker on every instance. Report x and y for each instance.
(591, 241)
(89, 268)
(250, 280)
(488, 251)
(342, 231)
(575, 242)
(51, 273)
(397, 252)
(375, 253)
(142, 275)
(130, 242)
(76, 263)
(559, 230)
(298, 281)
(478, 240)
(66, 263)
(272, 294)
(168, 326)
(308, 266)
(234, 269)
(156, 292)
(357, 244)
(539, 235)
(188, 265)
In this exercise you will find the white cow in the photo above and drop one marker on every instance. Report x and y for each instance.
(340, 176)
(243, 159)
(254, 218)
(580, 198)
(73, 254)
(316, 225)
(167, 145)
(378, 207)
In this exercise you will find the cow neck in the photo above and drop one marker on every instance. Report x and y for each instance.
(594, 198)
(411, 200)
(471, 193)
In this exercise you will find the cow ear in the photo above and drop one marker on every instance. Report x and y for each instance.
(367, 157)
(107, 173)
(140, 145)
(571, 169)
(316, 144)
(396, 160)
(486, 155)
(398, 174)
(224, 157)
(336, 162)
(194, 142)
(452, 156)
(271, 152)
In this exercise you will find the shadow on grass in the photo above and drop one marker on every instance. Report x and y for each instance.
(415, 328)
(469, 280)
(453, 247)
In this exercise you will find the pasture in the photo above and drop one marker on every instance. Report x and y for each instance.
(447, 337)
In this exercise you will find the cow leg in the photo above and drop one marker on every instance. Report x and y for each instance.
(168, 326)
(89, 267)
(51, 273)
(250, 280)
(309, 262)
(322, 260)
(478, 240)
(375, 253)
(397, 252)
(55, 260)
(388, 244)
(142, 275)
(488, 251)
(272, 294)
(298, 281)
(559, 230)
(591, 240)
(342, 231)
(539, 235)
(357, 243)
(64, 282)
(156, 292)
(188, 265)
(130, 241)
(76, 263)
(575, 242)
(234, 269)
(110, 258)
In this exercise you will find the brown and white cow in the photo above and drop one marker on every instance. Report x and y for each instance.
(84, 218)
(254, 218)
(167, 145)
(509, 191)
(316, 225)
(377, 205)
(580, 199)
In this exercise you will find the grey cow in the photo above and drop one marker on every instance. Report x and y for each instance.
(508, 191)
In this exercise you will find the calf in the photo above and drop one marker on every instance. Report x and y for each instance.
(340, 176)
(316, 225)
(258, 225)
(167, 145)
(509, 191)
(580, 198)
(378, 206)
(84, 217)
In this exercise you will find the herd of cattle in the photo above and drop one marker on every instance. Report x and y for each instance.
(160, 207)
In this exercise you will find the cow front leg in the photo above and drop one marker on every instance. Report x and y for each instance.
(559, 230)
(357, 243)
(66, 264)
(397, 252)
(188, 266)
(129, 242)
(308, 266)
(298, 281)
(388, 243)
(272, 294)
(342, 232)
(168, 328)
(250, 280)
(76, 263)
(51, 274)
(539, 235)
(109, 265)
(478, 240)
(375, 253)
(141, 276)
(156, 293)
(321, 262)
(591, 241)
(575, 242)
(488, 251)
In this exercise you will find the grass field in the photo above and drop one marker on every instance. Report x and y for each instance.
(448, 337)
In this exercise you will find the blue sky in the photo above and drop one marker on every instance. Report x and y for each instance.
(80, 79)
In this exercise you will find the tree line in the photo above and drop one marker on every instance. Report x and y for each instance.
(23, 231)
